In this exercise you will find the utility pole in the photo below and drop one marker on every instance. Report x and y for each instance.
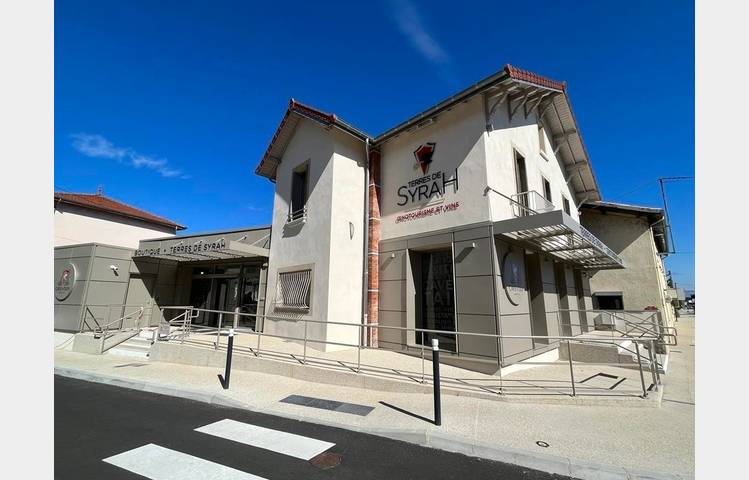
(661, 181)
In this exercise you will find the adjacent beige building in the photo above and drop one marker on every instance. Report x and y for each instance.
(96, 218)
(638, 235)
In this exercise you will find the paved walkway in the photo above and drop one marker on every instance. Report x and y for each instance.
(583, 441)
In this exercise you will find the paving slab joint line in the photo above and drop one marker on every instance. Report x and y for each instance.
(424, 437)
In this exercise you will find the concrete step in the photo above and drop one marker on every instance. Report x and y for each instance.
(136, 347)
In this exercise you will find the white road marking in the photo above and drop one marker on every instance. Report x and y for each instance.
(159, 463)
(266, 438)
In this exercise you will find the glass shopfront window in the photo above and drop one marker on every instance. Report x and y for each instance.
(437, 298)
(224, 287)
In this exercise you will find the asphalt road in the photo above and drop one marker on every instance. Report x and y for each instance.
(94, 422)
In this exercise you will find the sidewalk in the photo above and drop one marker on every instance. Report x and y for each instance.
(588, 442)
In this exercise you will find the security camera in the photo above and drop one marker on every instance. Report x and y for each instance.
(114, 267)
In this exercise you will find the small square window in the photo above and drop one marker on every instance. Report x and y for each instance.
(293, 290)
(566, 205)
(541, 139)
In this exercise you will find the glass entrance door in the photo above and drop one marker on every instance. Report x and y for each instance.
(437, 298)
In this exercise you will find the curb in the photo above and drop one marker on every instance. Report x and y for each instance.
(538, 461)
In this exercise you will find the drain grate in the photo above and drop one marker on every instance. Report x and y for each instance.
(342, 407)
(326, 460)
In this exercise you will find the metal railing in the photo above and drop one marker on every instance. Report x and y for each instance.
(108, 330)
(297, 216)
(532, 201)
(181, 328)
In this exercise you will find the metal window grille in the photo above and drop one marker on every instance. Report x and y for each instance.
(293, 290)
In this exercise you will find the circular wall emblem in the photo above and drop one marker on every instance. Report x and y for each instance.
(512, 277)
(64, 281)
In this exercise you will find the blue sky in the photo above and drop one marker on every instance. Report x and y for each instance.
(170, 104)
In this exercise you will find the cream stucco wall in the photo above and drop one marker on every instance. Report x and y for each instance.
(324, 241)
(522, 135)
(75, 225)
(458, 136)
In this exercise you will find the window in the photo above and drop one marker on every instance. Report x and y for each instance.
(566, 205)
(608, 301)
(547, 189)
(293, 290)
(299, 179)
(541, 139)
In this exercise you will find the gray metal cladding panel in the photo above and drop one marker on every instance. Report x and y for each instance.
(165, 293)
(101, 270)
(506, 306)
(569, 276)
(474, 295)
(167, 272)
(515, 325)
(393, 265)
(392, 319)
(76, 295)
(552, 324)
(105, 293)
(547, 271)
(82, 251)
(551, 301)
(472, 233)
(80, 263)
(114, 252)
(473, 261)
(389, 246)
(67, 317)
(483, 346)
(440, 240)
(144, 266)
(392, 295)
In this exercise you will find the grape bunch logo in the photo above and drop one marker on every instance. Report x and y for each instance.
(424, 155)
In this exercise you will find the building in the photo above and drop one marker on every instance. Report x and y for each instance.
(463, 218)
(638, 235)
(96, 218)
(97, 284)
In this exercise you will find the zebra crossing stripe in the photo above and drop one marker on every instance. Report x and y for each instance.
(159, 463)
(274, 440)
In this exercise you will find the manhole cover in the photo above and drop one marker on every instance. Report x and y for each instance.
(326, 460)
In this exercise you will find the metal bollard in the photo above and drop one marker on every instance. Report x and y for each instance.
(436, 376)
(229, 349)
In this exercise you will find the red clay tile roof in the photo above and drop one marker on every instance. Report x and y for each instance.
(530, 77)
(106, 204)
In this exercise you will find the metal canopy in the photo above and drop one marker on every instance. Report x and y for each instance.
(559, 235)
(251, 243)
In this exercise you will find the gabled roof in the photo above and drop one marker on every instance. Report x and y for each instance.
(103, 203)
(520, 88)
(653, 215)
(284, 132)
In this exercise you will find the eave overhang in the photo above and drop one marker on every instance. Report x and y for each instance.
(559, 235)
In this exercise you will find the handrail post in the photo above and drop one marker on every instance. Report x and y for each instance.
(218, 330)
(304, 351)
(572, 374)
(423, 377)
(358, 347)
(653, 364)
(639, 363)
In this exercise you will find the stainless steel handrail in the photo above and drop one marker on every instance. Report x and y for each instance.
(190, 312)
